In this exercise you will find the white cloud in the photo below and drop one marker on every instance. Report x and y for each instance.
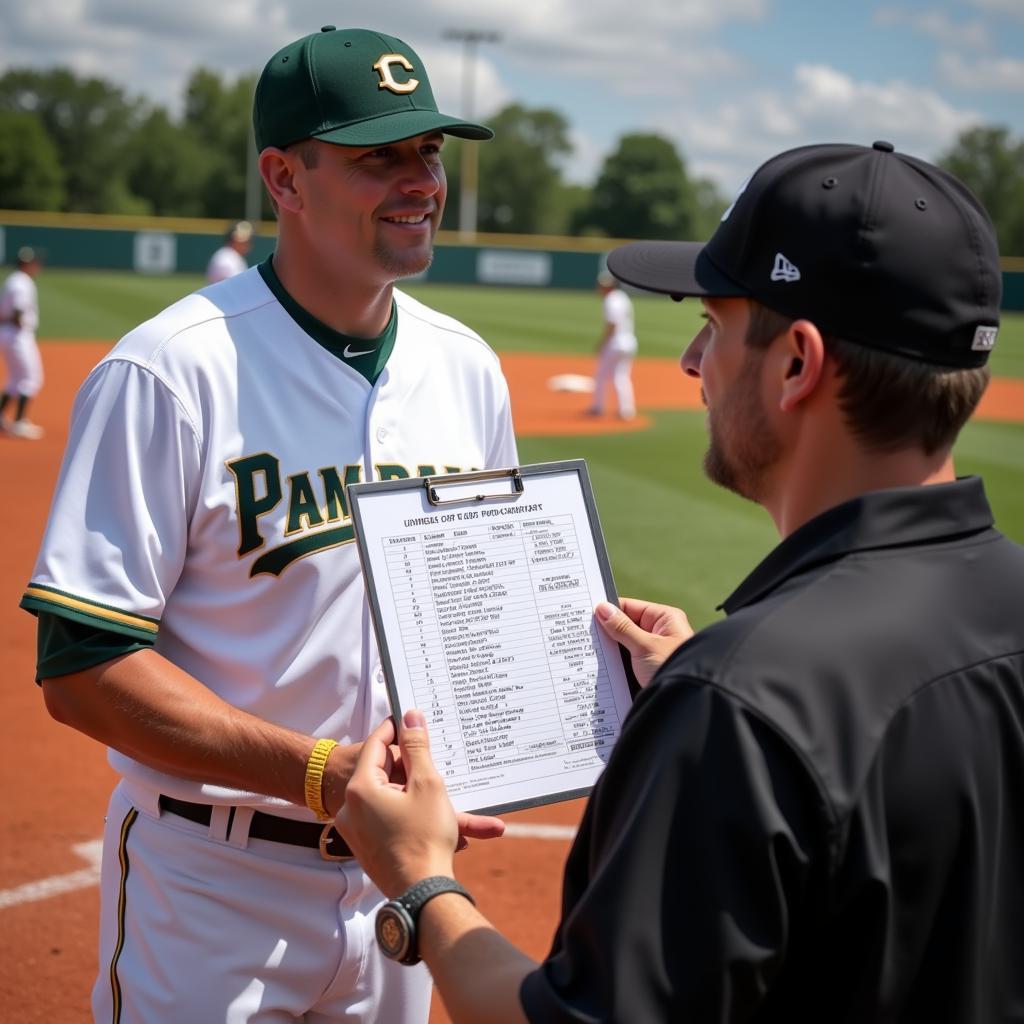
(573, 24)
(445, 63)
(247, 21)
(151, 49)
(663, 70)
(826, 98)
(822, 105)
(593, 61)
(1014, 8)
(651, 48)
(997, 74)
(937, 25)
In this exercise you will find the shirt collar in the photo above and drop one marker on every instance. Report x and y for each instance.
(364, 355)
(897, 517)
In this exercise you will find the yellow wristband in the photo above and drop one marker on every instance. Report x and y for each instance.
(315, 777)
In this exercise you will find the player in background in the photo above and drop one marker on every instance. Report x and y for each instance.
(616, 349)
(229, 259)
(815, 809)
(19, 320)
(201, 606)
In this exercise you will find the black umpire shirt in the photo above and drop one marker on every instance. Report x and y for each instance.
(815, 812)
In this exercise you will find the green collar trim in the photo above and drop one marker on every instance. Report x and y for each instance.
(367, 356)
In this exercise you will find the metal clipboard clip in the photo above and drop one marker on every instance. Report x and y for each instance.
(431, 483)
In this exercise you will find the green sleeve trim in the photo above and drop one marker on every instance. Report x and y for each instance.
(41, 598)
(64, 645)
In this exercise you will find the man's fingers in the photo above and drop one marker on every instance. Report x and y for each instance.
(396, 769)
(649, 632)
(480, 826)
(385, 732)
(620, 628)
(660, 619)
(376, 752)
(414, 743)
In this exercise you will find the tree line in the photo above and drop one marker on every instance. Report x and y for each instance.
(80, 144)
(77, 144)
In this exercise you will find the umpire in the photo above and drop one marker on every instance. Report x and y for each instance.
(816, 807)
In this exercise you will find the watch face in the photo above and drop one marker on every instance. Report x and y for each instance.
(394, 931)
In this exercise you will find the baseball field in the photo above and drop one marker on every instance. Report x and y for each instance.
(672, 536)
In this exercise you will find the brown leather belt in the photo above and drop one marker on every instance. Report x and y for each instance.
(322, 837)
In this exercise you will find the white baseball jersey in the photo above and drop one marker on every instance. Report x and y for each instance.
(225, 262)
(20, 295)
(201, 500)
(618, 311)
(18, 342)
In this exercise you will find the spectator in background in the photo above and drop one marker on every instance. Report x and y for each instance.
(616, 349)
(229, 259)
(19, 318)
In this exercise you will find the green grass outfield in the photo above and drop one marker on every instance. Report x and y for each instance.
(106, 304)
(672, 535)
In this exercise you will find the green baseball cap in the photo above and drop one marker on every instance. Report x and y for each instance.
(352, 87)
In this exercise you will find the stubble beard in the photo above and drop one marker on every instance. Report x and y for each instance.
(742, 445)
(402, 264)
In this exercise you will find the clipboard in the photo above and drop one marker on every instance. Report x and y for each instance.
(481, 589)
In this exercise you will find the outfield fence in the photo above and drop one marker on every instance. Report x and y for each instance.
(154, 245)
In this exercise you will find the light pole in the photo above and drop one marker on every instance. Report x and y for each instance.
(469, 172)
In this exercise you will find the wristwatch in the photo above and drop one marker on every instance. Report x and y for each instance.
(396, 919)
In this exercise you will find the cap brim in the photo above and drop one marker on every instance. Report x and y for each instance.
(672, 268)
(403, 124)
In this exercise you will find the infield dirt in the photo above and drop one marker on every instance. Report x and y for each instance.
(56, 781)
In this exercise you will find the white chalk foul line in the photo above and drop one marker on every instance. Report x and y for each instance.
(56, 885)
(92, 853)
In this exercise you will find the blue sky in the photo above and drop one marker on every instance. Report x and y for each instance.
(731, 82)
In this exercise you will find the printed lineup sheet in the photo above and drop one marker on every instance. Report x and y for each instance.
(482, 588)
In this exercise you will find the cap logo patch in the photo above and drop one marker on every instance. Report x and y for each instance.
(387, 79)
(784, 270)
(984, 339)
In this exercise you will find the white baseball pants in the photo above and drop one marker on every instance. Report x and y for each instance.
(24, 366)
(198, 928)
(615, 367)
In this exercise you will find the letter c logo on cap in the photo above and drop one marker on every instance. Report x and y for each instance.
(387, 80)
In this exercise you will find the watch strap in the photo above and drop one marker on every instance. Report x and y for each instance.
(418, 895)
(397, 920)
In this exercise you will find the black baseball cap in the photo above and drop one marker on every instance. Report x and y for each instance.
(869, 244)
(352, 87)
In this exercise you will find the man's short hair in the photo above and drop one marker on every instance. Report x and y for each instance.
(306, 150)
(889, 401)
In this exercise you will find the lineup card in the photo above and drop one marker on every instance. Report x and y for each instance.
(483, 603)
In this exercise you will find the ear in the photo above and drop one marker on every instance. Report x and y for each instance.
(802, 357)
(278, 170)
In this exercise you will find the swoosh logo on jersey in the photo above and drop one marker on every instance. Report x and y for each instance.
(349, 354)
(275, 561)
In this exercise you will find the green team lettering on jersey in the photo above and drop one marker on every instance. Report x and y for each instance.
(311, 506)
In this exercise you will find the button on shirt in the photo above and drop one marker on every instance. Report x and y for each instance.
(816, 809)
